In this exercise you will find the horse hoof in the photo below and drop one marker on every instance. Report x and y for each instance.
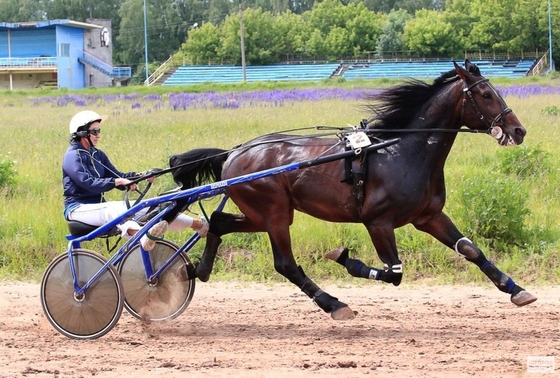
(523, 298)
(343, 313)
(335, 253)
(201, 273)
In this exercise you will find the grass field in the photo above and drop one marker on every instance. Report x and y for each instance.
(146, 126)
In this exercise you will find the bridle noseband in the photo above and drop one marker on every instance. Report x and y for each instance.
(494, 128)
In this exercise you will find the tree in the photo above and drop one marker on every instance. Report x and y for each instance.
(263, 44)
(493, 30)
(132, 32)
(301, 6)
(411, 6)
(21, 10)
(391, 37)
(326, 15)
(458, 14)
(429, 34)
(81, 10)
(332, 21)
(220, 9)
(292, 30)
(166, 30)
(364, 27)
(202, 46)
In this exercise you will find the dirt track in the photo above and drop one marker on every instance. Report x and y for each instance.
(233, 329)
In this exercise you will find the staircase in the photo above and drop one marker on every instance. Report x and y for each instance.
(48, 84)
(166, 75)
(116, 73)
(161, 73)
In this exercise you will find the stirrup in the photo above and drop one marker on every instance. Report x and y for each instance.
(152, 237)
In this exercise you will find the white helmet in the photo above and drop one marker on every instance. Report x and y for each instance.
(84, 118)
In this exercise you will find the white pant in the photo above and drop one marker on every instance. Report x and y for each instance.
(97, 214)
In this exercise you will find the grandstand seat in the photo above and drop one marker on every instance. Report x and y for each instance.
(186, 75)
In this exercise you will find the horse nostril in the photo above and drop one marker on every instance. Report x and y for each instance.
(520, 131)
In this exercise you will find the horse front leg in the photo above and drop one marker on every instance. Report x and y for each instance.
(444, 230)
(285, 264)
(383, 239)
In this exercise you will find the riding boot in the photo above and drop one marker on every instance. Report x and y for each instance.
(204, 266)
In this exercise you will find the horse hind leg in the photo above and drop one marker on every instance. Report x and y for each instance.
(220, 224)
(285, 264)
(325, 301)
(357, 268)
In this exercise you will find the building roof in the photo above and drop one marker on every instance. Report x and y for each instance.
(47, 24)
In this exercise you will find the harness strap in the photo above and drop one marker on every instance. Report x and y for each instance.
(358, 181)
(359, 172)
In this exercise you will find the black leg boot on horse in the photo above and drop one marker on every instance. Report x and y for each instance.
(331, 305)
(356, 268)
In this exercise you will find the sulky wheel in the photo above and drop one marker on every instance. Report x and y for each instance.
(164, 298)
(81, 316)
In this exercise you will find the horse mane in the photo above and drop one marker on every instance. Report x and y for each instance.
(396, 107)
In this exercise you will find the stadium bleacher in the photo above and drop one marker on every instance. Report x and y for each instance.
(420, 69)
(187, 75)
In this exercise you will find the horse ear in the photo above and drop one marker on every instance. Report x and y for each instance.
(460, 71)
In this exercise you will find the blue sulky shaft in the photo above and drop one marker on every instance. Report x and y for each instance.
(194, 194)
(209, 190)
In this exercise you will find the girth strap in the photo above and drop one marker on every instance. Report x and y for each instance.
(358, 175)
(355, 172)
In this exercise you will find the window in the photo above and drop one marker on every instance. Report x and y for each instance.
(64, 49)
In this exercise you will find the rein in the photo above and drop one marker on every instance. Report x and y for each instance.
(493, 129)
(295, 137)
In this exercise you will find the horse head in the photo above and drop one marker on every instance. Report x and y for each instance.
(484, 109)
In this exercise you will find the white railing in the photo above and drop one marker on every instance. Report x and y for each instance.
(159, 72)
(541, 66)
(35, 62)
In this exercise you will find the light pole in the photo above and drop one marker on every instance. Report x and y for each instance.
(551, 62)
(241, 33)
(146, 43)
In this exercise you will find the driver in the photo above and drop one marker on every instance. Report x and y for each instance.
(87, 173)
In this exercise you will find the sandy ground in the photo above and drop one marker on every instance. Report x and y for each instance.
(250, 330)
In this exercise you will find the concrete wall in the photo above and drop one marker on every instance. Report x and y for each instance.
(98, 42)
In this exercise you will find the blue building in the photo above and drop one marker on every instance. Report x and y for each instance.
(58, 54)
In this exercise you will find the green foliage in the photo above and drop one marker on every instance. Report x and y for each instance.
(430, 33)
(551, 110)
(7, 173)
(525, 161)
(495, 208)
(390, 38)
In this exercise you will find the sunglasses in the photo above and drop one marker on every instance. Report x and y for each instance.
(95, 131)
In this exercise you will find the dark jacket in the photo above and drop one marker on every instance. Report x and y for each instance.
(86, 175)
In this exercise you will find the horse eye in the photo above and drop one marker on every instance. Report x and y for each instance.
(487, 95)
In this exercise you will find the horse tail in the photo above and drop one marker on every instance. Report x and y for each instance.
(199, 166)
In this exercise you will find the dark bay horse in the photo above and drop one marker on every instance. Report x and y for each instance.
(400, 184)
